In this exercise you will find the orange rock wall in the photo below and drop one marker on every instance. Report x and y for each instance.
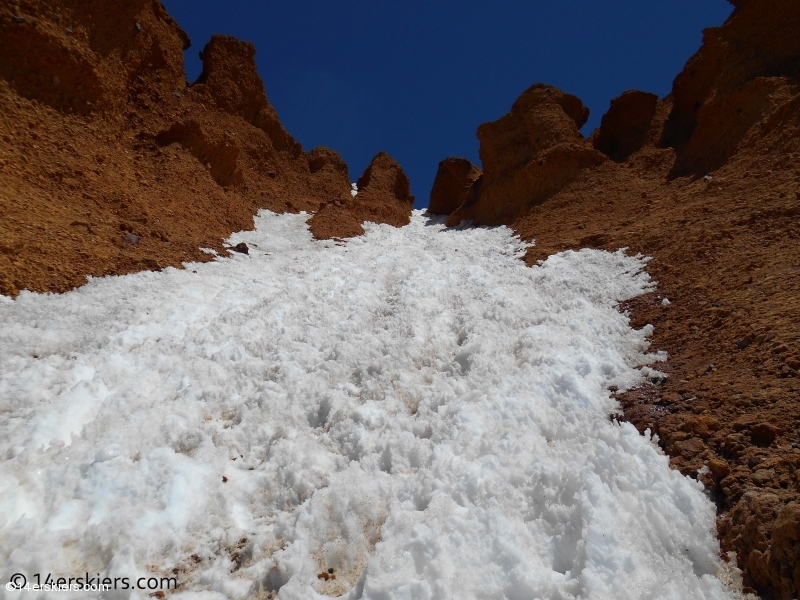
(384, 196)
(112, 163)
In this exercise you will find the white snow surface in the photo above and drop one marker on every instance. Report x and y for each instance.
(414, 409)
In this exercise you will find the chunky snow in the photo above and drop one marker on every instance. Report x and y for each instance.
(414, 409)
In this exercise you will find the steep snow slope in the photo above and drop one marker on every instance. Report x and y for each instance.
(414, 409)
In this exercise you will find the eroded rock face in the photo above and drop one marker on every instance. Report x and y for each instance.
(625, 127)
(230, 81)
(786, 548)
(80, 57)
(384, 191)
(528, 155)
(454, 182)
(107, 143)
(322, 159)
(211, 148)
(336, 221)
(765, 532)
(744, 72)
(542, 118)
(229, 78)
(384, 196)
(329, 173)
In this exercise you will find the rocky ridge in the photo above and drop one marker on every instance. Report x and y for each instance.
(112, 162)
(707, 182)
(383, 178)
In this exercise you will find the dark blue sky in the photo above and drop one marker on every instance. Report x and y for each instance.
(415, 78)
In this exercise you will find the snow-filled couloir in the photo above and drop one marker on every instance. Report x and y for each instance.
(414, 410)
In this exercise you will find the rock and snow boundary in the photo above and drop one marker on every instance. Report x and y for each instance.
(415, 410)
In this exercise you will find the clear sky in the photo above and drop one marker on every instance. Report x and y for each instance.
(415, 78)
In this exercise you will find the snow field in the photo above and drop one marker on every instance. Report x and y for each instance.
(414, 409)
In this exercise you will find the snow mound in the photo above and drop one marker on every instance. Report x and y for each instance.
(415, 410)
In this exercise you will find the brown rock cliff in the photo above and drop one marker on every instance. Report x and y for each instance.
(384, 196)
(743, 73)
(454, 181)
(528, 155)
(112, 163)
(625, 127)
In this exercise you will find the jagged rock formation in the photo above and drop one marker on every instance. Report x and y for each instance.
(528, 155)
(745, 74)
(625, 127)
(103, 139)
(706, 181)
(229, 82)
(384, 196)
(384, 178)
(454, 182)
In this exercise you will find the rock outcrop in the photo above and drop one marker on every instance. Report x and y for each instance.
(384, 196)
(625, 128)
(104, 140)
(455, 180)
(742, 75)
(384, 191)
(528, 155)
(229, 81)
(770, 528)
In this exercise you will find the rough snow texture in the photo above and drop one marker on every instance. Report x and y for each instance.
(415, 409)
